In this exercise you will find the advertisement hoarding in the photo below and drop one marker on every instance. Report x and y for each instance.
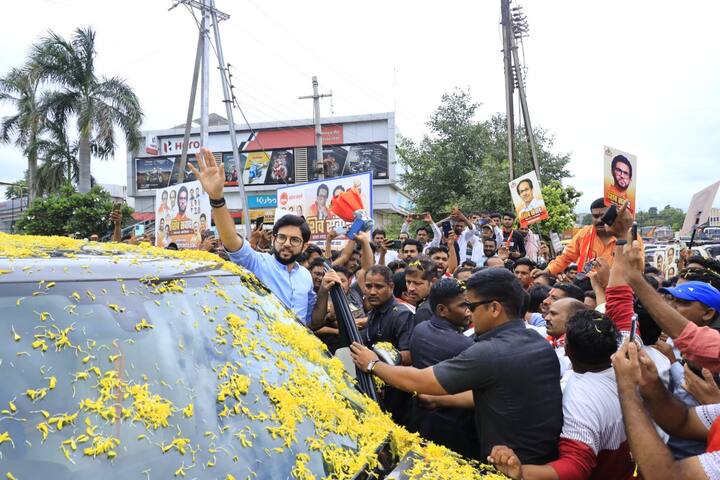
(345, 160)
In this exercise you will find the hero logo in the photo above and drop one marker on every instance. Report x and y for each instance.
(283, 198)
(175, 146)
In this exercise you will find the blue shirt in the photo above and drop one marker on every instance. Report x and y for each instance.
(293, 288)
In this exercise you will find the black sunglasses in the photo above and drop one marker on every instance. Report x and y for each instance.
(473, 305)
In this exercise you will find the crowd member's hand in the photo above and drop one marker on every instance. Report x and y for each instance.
(663, 347)
(211, 175)
(361, 322)
(704, 388)
(538, 271)
(456, 214)
(209, 243)
(630, 260)
(451, 238)
(505, 460)
(627, 366)
(330, 279)
(622, 222)
(362, 237)
(116, 216)
(503, 252)
(600, 274)
(332, 234)
(362, 355)
(427, 218)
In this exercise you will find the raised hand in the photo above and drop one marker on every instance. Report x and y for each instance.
(211, 175)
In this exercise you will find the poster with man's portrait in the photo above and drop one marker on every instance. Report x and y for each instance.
(620, 178)
(699, 209)
(527, 199)
(182, 213)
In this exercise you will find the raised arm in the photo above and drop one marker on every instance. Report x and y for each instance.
(212, 179)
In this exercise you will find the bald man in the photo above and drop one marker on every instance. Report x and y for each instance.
(556, 320)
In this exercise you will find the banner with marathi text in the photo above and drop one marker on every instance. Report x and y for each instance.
(182, 213)
(312, 201)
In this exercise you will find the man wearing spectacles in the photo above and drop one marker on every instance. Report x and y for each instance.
(622, 173)
(280, 271)
(510, 375)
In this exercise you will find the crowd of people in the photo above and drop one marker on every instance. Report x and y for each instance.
(586, 364)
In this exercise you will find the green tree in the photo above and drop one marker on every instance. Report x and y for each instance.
(59, 162)
(669, 216)
(464, 162)
(20, 88)
(98, 103)
(68, 212)
(560, 202)
(17, 190)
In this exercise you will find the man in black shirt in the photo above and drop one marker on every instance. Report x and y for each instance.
(438, 339)
(388, 321)
(512, 239)
(419, 277)
(510, 375)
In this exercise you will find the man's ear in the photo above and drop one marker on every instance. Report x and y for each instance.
(709, 315)
(441, 310)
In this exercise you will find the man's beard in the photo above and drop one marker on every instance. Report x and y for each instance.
(285, 261)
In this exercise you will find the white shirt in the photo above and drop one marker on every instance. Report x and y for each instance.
(536, 203)
(390, 256)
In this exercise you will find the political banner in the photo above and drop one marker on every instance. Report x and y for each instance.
(182, 213)
(620, 178)
(312, 201)
(699, 209)
(528, 200)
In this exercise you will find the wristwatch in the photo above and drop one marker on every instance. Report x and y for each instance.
(371, 365)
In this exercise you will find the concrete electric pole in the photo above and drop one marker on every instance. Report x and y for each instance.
(319, 169)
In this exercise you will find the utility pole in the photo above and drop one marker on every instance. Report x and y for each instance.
(509, 81)
(211, 16)
(319, 169)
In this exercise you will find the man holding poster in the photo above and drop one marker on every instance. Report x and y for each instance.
(527, 198)
(699, 209)
(619, 180)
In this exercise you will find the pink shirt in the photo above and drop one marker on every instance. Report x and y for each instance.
(700, 345)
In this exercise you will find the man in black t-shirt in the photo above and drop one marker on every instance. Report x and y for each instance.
(512, 238)
(510, 375)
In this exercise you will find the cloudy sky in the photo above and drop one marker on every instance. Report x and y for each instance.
(640, 76)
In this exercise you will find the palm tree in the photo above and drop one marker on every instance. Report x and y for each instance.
(20, 87)
(98, 103)
(59, 162)
(16, 190)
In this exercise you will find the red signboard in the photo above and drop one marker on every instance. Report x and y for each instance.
(294, 137)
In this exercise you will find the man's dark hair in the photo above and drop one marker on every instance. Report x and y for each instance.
(441, 248)
(344, 271)
(652, 280)
(468, 264)
(509, 214)
(322, 186)
(381, 270)
(172, 246)
(537, 293)
(291, 220)
(495, 215)
(592, 337)
(571, 291)
(202, 215)
(427, 230)
(396, 265)
(463, 270)
(583, 283)
(379, 231)
(598, 203)
(709, 263)
(501, 285)
(704, 275)
(399, 285)
(572, 266)
(412, 241)
(621, 159)
(302, 258)
(525, 261)
(650, 270)
(524, 180)
(312, 248)
(590, 294)
(318, 262)
(426, 268)
(550, 278)
(443, 291)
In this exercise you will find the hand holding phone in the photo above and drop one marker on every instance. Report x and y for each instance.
(633, 327)
(634, 231)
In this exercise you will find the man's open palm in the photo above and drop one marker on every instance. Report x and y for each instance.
(211, 175)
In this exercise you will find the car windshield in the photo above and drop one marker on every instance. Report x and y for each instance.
(198, 376)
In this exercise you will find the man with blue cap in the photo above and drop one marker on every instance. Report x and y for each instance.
(697, 301)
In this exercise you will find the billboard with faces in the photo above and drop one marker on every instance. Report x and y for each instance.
(182, 213)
